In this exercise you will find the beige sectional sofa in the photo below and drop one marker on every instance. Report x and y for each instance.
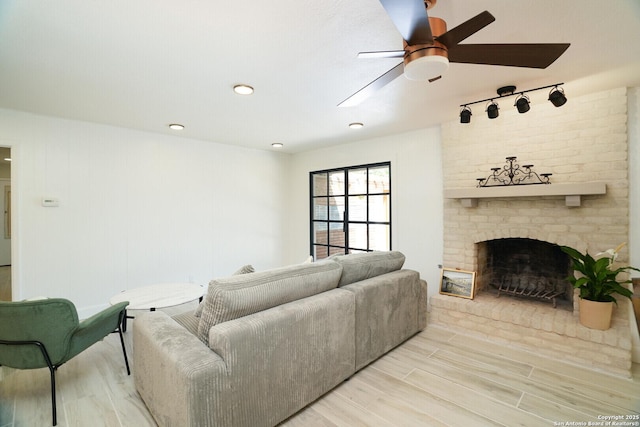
(266, 344)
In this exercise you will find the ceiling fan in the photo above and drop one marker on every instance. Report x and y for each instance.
(429, 47)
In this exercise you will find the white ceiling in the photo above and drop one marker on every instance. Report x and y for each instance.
(144, 64)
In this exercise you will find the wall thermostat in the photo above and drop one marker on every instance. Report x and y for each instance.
(50, 202)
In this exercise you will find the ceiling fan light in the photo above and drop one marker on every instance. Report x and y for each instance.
(465, 115)
(522, 104)
(557, 97)
(426, 67)
(492, 110)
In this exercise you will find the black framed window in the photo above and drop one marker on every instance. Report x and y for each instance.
(350, 210)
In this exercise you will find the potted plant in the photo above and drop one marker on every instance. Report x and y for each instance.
(598, 283)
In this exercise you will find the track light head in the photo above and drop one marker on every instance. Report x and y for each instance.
(522, 103)
(492, 110)
(557, 97)
(465, 114)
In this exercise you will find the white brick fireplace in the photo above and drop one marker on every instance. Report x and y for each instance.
(584, 145)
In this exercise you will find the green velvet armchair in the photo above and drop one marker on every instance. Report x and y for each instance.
(47, 333)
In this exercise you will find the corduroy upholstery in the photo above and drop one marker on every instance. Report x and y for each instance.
(361, 266)
(261, 367)
(245, 269)
(241, 295)
(387, 312)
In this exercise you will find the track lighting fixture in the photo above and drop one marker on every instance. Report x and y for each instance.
(492, 110)
(557, 97)
(522, 103)
(465, 114)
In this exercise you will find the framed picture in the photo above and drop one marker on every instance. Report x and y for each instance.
(459, 283)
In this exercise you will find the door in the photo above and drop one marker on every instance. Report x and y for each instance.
(5, 240)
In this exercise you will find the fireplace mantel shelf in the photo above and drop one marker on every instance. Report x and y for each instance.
(571, 192)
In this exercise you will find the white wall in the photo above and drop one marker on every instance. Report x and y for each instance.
(633, 123)
(135, 208)
(416, 186)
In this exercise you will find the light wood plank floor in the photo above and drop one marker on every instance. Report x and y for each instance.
(437, 378)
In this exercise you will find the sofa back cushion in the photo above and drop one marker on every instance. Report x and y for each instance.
(362, 266)
(245, 269)
(238, 296)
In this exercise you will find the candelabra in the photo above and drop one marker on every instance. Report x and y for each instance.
(513, 174)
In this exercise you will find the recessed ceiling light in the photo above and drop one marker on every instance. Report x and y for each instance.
(176, 126)
(277, 145)
(356, 125)
(243, 89)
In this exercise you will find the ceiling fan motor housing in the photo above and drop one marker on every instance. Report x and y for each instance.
(426, 61)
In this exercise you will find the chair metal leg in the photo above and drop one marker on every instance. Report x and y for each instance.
(52, 370)
(124, 352)
(123, 317)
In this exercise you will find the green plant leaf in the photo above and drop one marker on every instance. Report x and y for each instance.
(595, 279)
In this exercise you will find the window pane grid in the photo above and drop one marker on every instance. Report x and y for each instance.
(350, 210)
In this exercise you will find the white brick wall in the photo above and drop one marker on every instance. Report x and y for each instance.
(584, 140)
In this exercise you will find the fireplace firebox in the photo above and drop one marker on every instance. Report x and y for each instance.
(525, 268)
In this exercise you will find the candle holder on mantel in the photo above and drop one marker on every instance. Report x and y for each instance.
(513, 174)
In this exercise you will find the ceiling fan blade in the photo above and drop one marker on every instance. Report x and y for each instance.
(467, 28)
(528, 55)
(411, 20)
(372, 87)
(382, 54)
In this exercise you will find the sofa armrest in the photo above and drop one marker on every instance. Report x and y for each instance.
(173, 369)
(390, 309)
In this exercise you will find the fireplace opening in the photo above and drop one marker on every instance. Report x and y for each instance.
(525, 268)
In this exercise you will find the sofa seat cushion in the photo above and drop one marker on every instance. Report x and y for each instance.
(188, 320)
(245, 294)
(362, 266)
